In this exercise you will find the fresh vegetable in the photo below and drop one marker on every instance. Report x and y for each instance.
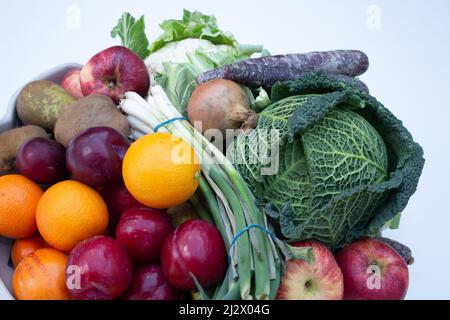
(179, 80)
(42, 160)
(194, 25)
(93, 111)
(142, 232)
(184, 37)
(256, 263)
(221, 105)
(373, 270)
(41, 102)
(103, 268)
(266, 71)
(95, 156)
(347, 165)
(401, 249)
(113, 72)
(132, 34)
(150, 283)
(195, 249)
(10, 142)
(261, 101)
(349, 81)
(189, 47)
(320, 280)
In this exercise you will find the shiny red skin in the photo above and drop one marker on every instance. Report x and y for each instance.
(150, 283)
(323, 274)
(106, 269)
(113, 72)
(42, 160)
(71, 83)
(355, 261)
(195, 247)
(95, 156)
(143, 232)
(118, 199)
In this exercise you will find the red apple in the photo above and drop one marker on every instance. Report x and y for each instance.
(373, 271)
(71, 83)
(113, 72)
(321, 280)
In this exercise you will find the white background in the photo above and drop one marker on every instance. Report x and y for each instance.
(408, 46)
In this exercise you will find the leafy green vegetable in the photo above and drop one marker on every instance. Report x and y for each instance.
(189, 47)
(394, 223)
(262, 100)
(347, 166)
(194, 25)
(132, 34)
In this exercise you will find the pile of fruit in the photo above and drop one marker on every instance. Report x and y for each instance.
(85, 207)
(110, 194)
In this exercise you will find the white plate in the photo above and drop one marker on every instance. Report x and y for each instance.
(7, 122)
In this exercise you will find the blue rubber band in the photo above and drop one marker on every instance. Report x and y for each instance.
(165, 123)
(240, 233)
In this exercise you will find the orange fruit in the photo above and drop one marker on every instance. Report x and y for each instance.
(41, 276)
(70, 212)
(161, 170)
(23, 247)
(19, 197)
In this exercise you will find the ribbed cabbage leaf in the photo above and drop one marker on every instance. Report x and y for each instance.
(346, 165)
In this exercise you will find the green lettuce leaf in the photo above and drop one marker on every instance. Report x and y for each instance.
(193, 25)
(132, 34)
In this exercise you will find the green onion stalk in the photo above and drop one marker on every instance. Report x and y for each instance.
(223, 198)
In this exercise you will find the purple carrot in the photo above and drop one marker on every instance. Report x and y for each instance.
(265, 71)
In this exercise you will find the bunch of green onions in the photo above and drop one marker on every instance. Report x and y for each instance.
(223, 198)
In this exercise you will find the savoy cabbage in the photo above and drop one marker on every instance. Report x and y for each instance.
(347, 165)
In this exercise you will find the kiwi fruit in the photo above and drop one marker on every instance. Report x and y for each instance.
(11, 140)
(92, 111)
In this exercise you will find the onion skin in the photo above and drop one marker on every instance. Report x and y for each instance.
(220, 104)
